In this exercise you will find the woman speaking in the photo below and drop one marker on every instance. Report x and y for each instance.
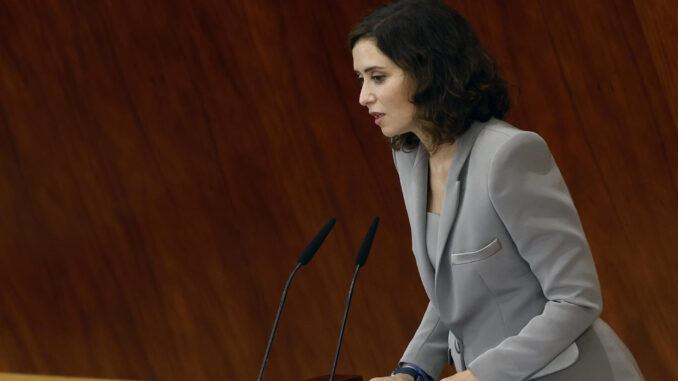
(512, 286)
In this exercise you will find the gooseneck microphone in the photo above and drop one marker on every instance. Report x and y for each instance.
(359, 261)
(304, 258)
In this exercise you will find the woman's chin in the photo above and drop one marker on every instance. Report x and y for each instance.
(388, 133)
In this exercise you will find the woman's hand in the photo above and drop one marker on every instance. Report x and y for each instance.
(466, 375)
(397, 377)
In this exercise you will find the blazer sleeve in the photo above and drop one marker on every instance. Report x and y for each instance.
(529, 195)
(428, 347)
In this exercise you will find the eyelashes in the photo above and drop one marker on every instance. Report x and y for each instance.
(377, 78)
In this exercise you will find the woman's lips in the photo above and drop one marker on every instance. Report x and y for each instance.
(378, 118)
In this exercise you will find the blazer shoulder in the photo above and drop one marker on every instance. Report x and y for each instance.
(496, 133)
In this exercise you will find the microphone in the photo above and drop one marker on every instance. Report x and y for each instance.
(304, 258)
(359, 261)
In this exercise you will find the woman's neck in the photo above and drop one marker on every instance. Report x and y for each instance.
(441, 158)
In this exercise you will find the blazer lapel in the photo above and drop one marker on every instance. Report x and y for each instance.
(416, 203)
(450, 208)
(418, 191)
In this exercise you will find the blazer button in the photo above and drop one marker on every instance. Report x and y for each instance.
(458, 346)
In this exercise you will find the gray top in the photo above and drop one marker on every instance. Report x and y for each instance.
(432, 238)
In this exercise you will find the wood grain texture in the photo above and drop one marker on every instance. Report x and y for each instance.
(163, 164)
(657, 19)
(31, 377)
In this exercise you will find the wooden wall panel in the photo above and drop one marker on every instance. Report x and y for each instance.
(657, 19)
(162, 165)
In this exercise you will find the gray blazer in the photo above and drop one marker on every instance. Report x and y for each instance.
(515, 284)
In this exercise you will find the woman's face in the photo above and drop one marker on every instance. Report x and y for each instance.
(386, 89)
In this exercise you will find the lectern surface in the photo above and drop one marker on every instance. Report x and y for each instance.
(32, 377)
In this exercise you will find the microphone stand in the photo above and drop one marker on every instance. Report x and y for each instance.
(277, 319)
(343, 323)
(359, 261)
(304, 258)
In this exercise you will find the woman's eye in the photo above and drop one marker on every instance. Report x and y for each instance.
(378, 78)
(360, 80)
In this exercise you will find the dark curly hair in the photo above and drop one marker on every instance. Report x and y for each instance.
(457, 81)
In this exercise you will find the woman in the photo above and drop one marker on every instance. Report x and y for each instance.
(513, 289)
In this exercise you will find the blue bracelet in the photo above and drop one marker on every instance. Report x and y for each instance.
(409, 371)
(413, 371)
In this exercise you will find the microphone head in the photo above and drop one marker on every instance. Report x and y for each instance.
(312, 247)
(367, 243)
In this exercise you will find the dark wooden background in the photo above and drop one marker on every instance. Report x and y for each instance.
(163, 164)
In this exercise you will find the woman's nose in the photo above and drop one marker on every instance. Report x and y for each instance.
(366, 96)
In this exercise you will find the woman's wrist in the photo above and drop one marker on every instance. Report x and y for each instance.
(413, 371)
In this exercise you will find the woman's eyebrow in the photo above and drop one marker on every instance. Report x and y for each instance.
(371, 68)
